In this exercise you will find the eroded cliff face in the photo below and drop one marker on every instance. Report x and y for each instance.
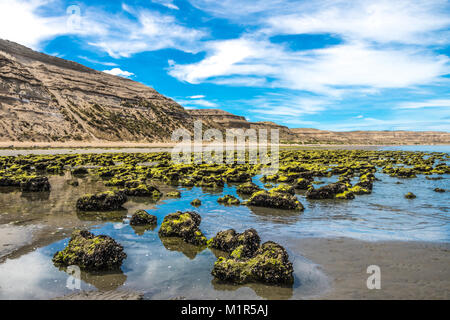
(44, 98)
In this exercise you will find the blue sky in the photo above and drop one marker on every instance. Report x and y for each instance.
(336, 65)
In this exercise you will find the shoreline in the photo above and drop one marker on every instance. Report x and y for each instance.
(409, 269)
(122, 145)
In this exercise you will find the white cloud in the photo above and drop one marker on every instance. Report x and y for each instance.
(20, 23)
(329, 71)
(167, 3)
(401, 21)
(119, 72)
(433, 103)
(196, 102)
(197, 96)
(117, 34)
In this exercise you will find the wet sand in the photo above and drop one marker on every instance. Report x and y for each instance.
(409, 270)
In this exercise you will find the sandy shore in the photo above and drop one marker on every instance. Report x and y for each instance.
(409, 270)
(125, 144)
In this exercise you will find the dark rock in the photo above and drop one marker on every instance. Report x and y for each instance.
(143, 190)
(183, 225)
(270, 264)
(141, 218)
(91, 252)
(302, 183)
(277, 200)
(35, 184)
(247, 188)
(196, 202)
(104, 201)
(410, 195)
(326, 192)
(228, 241)
(228, 200)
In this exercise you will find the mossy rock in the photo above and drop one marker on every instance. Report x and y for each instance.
(142, 218)
(346, 195)
(247, 188)
(143, 190)
(283, 188)
(277, 200)
(302, 184)
(183, 225)
(270, 264)
(244, 245)
(91, 252)
(357, 189)
(105, 201)
(174, 194)
(34, 184)
(196, 202)
(326, 192)
(410, 195)
(228, 200)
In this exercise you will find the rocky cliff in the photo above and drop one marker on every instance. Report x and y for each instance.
(44, 98)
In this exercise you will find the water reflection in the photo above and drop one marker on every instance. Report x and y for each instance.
(261, 290)
(177, 244)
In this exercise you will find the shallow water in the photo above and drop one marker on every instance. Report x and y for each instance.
(168, 268)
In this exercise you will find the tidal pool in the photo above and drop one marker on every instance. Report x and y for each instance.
(168, 268)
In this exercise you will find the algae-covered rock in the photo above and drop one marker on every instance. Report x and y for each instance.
(91, 252)
(105, 201)
(279, 200)
(346, 195)
(183, 225)
(196, 202)
(438, 190)
(302, 183)
(326, 192)
(243, 245)
(270, 264)
(174, 194)
(283, 188)
(410, 195)
(142, 218)
(143, 190)
(34, 184)
(247, 188)
(229, 200)
(357, 189)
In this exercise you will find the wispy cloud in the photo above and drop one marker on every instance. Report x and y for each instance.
(118, 34)
(166, 3)
(433, 103)
(331, 71)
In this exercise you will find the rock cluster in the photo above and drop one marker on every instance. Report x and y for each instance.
(248, 261)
